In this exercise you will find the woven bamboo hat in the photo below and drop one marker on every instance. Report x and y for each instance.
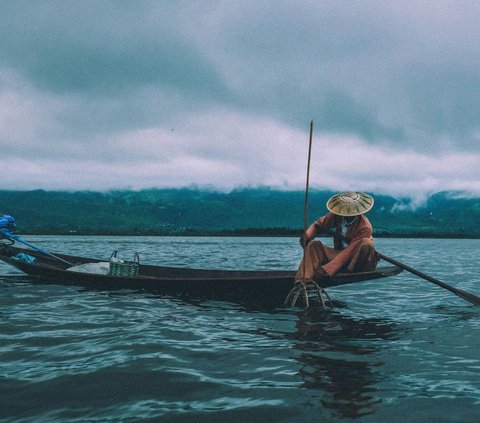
(350, 203)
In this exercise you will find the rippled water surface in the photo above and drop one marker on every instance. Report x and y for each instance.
(397, 349)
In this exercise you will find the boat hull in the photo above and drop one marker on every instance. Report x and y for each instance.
(264, 287)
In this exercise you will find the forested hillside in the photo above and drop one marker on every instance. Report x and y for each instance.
(186, 211)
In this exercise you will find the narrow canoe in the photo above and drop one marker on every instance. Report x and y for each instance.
(260, 286)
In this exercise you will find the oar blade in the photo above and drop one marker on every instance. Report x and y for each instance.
(469, 297)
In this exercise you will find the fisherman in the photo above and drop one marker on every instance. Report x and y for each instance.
(346, 217)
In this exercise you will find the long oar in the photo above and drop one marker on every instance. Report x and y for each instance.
(465, 295)
(19, 239)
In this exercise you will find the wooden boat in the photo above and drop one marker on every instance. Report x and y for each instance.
(244, 286)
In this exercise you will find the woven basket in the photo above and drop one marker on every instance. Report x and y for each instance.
(124, 267)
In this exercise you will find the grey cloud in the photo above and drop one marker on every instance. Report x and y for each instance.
(445, 100)
(398, 76)
(388, 72)
(396, 72)
(108, 46)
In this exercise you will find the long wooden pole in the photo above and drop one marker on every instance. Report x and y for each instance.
(305, 214)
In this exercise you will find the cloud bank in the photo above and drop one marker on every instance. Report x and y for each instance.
(118, 94)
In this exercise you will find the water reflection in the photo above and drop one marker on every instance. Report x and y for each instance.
(340, 361)
(459, 312)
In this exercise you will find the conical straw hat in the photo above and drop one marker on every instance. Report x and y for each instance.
(350, 203)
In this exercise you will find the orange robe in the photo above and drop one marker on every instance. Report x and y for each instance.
(358, 255)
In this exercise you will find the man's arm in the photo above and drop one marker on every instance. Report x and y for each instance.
(321, 225)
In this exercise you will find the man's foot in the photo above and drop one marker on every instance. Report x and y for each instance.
(320, 274)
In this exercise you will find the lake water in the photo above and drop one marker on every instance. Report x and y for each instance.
(397, 349)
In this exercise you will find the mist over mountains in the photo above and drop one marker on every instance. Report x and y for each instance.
(243, 211)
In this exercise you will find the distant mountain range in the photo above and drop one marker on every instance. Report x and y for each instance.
(240, 212)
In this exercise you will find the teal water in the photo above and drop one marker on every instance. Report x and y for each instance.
(398, 349)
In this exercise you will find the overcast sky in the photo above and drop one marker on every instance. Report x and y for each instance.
(101, 95)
